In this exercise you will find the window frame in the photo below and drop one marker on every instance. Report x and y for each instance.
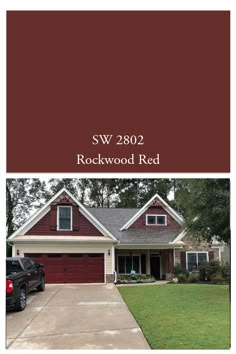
(156, 215)
(128, 255)
(197, 252)
(58, 218)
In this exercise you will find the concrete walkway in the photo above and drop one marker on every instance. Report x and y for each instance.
(75, 317)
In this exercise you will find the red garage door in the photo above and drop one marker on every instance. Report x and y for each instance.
(71, 268)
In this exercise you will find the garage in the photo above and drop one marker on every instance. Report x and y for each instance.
(72, 267)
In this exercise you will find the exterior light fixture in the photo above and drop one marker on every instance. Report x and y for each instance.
(109, 252)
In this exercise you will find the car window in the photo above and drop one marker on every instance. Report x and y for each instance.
(26, 263)
(33, 264)
(13, 267)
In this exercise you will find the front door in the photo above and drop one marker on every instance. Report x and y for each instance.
(155, 266)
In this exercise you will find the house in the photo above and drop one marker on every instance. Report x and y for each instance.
(92, 245)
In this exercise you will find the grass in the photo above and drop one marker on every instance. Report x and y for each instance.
(181, 316)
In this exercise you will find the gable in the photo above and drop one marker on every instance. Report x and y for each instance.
(44, 221)
(141, 222)
(83, 226)
(155, 202)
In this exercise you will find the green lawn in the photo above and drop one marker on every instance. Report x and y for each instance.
(181, 316)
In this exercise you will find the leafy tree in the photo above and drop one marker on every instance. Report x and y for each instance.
(103, 192)
(56, 184)
(23, 195)
(205, 204)
(136, 192)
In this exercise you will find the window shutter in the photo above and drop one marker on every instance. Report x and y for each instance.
(211, 256)
(53, 218)
(183, 260)
(75, 218)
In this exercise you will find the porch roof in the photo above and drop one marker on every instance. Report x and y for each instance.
(114, 218)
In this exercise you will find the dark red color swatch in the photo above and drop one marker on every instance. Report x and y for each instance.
(164, 75)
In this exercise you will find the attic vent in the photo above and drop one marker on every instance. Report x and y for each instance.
(64, 200)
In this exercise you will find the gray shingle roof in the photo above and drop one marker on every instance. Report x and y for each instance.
(114, 218)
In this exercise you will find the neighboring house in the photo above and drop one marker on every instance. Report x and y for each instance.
(92, 245)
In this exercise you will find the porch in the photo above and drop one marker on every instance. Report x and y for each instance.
(156, 262)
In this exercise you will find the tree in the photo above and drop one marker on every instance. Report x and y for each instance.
(23, 195)
(103, 192)
(135, 193)
(205, 204)
(56, 184)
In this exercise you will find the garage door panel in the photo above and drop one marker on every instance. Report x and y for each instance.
(72, 268)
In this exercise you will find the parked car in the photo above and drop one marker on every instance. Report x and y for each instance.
(22, 276)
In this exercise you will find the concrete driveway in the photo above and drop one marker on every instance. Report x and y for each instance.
(75, 317)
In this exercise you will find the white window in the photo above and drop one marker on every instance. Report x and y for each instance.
(195, 259)
(156, 220)
(126, 263)
(64, 218)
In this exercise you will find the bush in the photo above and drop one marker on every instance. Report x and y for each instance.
(212, 271)
(182, 278)
(204, 272)
(193, 278)
(217, 278)
(214, 267)
(178, 270)
(135, 278)
(225, 271)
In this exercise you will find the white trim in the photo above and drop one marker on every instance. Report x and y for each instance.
(148, 270)
(105, 266)
(197, 252)
(75, 242)
(174, 255)
(43, 211)
(129, 255)
(165, 216)
(220, 258)
(166, 206)
(113, 258)
(148, 246)
(13, 252)
(180, 236)
(71, 217)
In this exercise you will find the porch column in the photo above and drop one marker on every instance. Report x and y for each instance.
(148, 271)
(170, 262)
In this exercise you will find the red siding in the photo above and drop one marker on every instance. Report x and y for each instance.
(43, 227)
(140, 223)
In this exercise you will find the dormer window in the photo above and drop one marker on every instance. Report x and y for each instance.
(64, 218)
(156, 220)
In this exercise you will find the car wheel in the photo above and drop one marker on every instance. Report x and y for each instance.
(21, 300)
(41, 287)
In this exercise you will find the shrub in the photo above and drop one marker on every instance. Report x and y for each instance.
(214, 267)
(135, 278)
(182, 278)
(193, 278)
(225, 271)
(204, 272)
(212, 271)
(218, 278)
(178, 270)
